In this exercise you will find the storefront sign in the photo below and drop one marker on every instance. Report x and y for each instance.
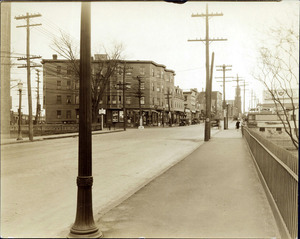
(102, 111)
(115, 116)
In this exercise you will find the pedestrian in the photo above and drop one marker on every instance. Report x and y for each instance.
(237, 125)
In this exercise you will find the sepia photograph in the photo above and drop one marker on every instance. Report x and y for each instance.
(149, 119)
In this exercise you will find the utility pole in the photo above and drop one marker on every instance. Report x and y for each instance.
(28, 25)
(244, 102)
(139, 94)
(123, 86)
(224, 98)
(169, 106)
(208, 90)
(38, 105)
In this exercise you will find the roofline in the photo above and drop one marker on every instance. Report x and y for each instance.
(121, 61)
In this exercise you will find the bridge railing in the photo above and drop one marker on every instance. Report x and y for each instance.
(280, 180)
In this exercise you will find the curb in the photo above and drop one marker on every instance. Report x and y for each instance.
(59, 137)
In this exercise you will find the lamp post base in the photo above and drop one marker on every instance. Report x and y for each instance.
(141, 127)
(85, 234)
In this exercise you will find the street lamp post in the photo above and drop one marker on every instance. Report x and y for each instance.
(84, 225)
(20, 86)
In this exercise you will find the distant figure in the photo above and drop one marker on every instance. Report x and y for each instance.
(237, 125)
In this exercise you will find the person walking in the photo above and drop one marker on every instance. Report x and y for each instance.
(237, 125)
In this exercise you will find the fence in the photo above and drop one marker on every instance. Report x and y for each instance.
(280, 178)
(48, 129)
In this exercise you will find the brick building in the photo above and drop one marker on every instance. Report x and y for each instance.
(192, 105)
(146, 81)
(216, 103)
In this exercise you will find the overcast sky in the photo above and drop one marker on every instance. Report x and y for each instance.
(159, 31)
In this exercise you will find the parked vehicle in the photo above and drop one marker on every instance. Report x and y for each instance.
(215, 123)
(184, 122)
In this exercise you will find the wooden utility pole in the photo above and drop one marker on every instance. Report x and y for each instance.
(38, 105)
(208, 83)
(244, 102)
(139, 94)
(210, 89)
(169, 106)
(224, 98)
(123, 87)
(84, 226)
(28, 25)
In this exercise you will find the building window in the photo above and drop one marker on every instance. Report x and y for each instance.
(120, 99)
(128, 100)
(58, 84)
(293, 117)
(69, 71)
(44, 100)
(142, 71)
(58, 114)
(251, 117)
(108, 99)
(142, 100)
(68, 85)
(77, 99)
(114, 100)
(142, 86)
(278, 129)
(262, 129)
(157, 73)
(68, 114)
(58, 99)
(68, 99)
(152, 72)
(185, 98)
(158, 89)
(58, 70)
(152, 85)
(153, 101)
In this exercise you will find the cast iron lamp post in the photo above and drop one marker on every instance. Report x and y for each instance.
(84, 226)
(20, 86)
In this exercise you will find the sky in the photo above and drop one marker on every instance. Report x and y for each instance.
(159, 32)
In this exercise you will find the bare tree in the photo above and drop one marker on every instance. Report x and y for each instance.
(278, 72)
(102, 69)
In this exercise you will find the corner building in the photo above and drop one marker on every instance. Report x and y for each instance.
(146, 81)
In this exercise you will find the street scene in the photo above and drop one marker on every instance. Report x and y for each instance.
(144, 119)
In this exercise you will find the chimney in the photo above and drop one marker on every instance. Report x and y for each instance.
(54, 56)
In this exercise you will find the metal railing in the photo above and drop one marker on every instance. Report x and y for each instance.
(280, 179)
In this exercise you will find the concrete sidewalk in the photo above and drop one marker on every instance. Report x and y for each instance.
(213, 193)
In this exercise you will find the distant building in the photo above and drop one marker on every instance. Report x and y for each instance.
(192, 105)
(61, 93)
(216, 103)
(268, 102)
(269, 123)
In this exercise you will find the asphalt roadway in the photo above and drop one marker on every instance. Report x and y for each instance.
(214, 192)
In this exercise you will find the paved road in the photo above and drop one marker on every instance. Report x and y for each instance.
(213, 193)
(38, 179)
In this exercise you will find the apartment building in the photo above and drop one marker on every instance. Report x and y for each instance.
(148, 89)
